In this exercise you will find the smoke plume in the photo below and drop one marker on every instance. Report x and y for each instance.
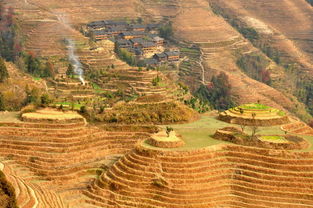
(74, 60)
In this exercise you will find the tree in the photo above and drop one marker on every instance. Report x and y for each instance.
(254, 127)
(48, 70)
(3, 71)
(139, 20)
(45, 100)
(169, 130)
(218, 94)
(70, 71)
(2, 106)
(33, 64)
(166, 31)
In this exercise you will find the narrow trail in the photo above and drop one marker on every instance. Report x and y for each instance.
(201, 65)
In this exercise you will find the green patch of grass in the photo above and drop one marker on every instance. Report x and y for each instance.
(254, 106)
(198, 134)
(95, 86)
(281, 113)
(36, 78)
(272, 137)
(189, 50)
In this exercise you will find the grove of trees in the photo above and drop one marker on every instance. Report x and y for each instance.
(218, 94)
(255, 66)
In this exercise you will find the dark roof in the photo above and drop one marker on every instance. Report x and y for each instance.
(123, 42)
(153, 26)
(113, 22)
(95, 24)
(160, 55)
(101, 32)
(132, 33)
(138, 26)
(172, 53)
(151, 61)
(152, 35)
(118, 28)
(137, 40)
(148, 44)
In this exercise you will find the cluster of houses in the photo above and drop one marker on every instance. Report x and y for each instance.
(141, 40)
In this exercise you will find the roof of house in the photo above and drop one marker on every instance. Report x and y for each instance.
(101, 32)
(148, 44)
(138, 26)
(132, 33)
(96, 23)
(118, 28)
(123, 42)
(172, 53)
(137, 40)
(151, 61)
(152, 26)
(160, 55)
(113, 22)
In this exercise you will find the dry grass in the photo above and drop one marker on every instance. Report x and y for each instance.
(51, 114)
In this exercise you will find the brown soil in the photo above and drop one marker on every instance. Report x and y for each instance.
(220, 176)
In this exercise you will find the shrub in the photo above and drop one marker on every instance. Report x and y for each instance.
(28, 109)
(3, 71)
(83, 109)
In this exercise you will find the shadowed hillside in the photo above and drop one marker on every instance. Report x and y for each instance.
(7, 194)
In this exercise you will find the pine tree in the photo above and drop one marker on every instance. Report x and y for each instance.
(3, 71)
(2, 107)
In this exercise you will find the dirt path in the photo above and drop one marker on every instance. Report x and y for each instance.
(201, 65)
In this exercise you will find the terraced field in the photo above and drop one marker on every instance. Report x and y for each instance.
(68, 163)
(223, 175)
(43, 151)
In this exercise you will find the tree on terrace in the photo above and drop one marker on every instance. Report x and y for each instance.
(3, 71)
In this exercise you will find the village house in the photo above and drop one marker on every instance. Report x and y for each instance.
(122, 43)
(148, 47)
(141, 28)
(160, 57)
(132, 35)
(117, 30)
(172, 55)
(97, 25)
(101, 35)
(151, 62)
(112, 23)
(153, 27)
(158, 41)
(137, 42)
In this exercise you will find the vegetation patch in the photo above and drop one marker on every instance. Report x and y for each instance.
(7, 193)
(254, 106)
(156, 113)
(275, 139)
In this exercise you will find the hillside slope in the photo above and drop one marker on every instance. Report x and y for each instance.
(193, 22)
